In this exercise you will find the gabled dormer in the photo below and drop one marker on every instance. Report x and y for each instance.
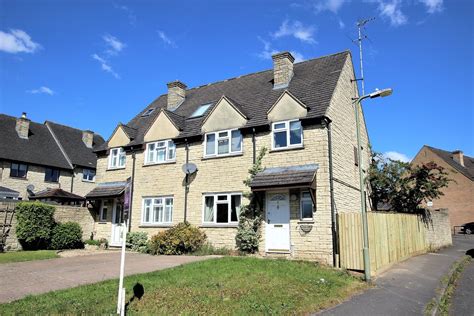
(120, 137)
(226, 114)
(166, 125)
(287, 107)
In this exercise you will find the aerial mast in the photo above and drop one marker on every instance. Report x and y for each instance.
(360, 24)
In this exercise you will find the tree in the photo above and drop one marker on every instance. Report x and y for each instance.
(404, 186)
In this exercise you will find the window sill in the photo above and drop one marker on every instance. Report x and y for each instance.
(286, 149)
(102, 222)
(222, 156)
(88, 181)
(156, 225)
(219, 225)
(159, 163)
(306, 221)
(51, 182)
(113, 169)
(18, 178)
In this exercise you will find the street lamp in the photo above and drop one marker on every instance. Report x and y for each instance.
(365, 230)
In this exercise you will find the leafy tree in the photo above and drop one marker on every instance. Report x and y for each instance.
(404, 186)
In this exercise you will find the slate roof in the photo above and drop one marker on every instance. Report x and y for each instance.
(447, 156)
(284, 176)
(71, 141)
(313, 84)
(56, 194)
(107, 189)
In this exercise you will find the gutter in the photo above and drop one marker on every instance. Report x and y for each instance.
(254, 146)
(186, 186)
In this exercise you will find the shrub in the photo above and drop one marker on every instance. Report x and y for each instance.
(137, 241)
(103, 243)
(92, 242)
(208, 249)
(35, 222)
(248, 234)
(180, 239)
(67, 236)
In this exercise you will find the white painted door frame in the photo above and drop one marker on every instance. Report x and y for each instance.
(283, 244)
(116, 228)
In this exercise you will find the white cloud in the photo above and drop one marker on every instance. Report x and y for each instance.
(105, 66)
(329, 5)
(297, 30)
(341, 24)
(396, 156)
(132, 18)
(391, 10)
(17, 41)
(268, 51)
(166, 39)
(433, 6)
(42, 90)
(115, 46)
(298, 56)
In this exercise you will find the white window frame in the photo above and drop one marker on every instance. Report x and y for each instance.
(151, 221)
(120, 152)
(303, 199)
(287, 130)
(228, 201)
(166, 147)
(110, 206)
(87, 171)
(216, 143)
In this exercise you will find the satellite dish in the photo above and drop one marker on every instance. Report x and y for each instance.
(30, 187)
(189, 168)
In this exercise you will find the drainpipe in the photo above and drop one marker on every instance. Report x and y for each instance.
(72, 178)
(131, 191)
(186, 186)
(254, 146)
(335, 236)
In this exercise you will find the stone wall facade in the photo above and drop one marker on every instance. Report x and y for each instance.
(438, 229)
(81, 215)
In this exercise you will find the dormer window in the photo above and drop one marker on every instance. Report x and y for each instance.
(223, 143)
(148, 112)
(160, 152)
(287, 134)
(117, 158)
(200, 110)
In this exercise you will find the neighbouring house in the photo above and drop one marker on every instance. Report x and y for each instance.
(40, 158)
(303, 113)
(458, 197)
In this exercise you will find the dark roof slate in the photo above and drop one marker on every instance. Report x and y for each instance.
(71, 141)
(313, 84)
(447, 156)
(285, 176)
(56, 194)
(107, 189)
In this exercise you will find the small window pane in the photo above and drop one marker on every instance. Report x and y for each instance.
(209, 209)
(161, 154)
(222, 197)
(295, 133)
(151, 152)
(279, 139)
(307, 209)
(223, 134)
(222, 213)
(223, 146)
(210, 144)
(279, 126)
(236, 141)
(235, 207)
(171, 150)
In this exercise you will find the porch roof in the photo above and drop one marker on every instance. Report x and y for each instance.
(59, 194)
(4, 191)
(292, 176)
(107, 189)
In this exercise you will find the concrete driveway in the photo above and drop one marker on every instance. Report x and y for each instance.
(18, 280)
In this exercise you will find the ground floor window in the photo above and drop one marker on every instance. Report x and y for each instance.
(105, 209)
(222, 208)
(157, 210)
(306, 205)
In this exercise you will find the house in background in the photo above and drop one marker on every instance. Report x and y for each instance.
(302, 113)
(458, 197)
(36, 158)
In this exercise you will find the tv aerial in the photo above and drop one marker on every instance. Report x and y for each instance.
(360, 25)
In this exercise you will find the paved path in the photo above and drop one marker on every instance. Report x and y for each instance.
(34, 277)
(408, 287)
(463, 298)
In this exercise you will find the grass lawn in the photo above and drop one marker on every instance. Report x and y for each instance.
(18, 256)
(229, 285)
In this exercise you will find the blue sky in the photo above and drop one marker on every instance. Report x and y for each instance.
(92, 64)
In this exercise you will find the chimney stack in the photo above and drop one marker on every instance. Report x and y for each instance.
(22, 126)
(88, 138)
(176, 94)
(458, 156)
(282, 69)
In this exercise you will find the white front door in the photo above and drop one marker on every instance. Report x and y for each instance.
(277, 231)
(117, 225)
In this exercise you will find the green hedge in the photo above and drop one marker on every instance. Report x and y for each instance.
(67, 236)
(35, 222)
(180, 239)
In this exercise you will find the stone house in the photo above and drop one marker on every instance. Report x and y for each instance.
(39, 159)
(303, 113)
(458, 197)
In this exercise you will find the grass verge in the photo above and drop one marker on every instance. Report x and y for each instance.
(229, 285)
(19, 256)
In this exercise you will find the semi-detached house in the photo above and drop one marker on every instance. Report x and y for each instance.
(303, 113)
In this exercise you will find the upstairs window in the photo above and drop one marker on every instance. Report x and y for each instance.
(159, 152)
(51, 175)
(200, 110)
(223, 143)
(287, 134)
(222, 208)
(88, 175)
(117, 158)
(18, 170)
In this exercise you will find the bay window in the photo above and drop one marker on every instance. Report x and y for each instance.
(117, 158)
(287, 134)
(159, 152)
(223, 143)
(222, 208)
(157, 210)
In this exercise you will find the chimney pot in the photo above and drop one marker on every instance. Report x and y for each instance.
(176, 94)
(22, 126)
(88, 138)
(282, 69)
(458, 156)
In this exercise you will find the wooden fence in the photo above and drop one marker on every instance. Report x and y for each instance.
(392, 238)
